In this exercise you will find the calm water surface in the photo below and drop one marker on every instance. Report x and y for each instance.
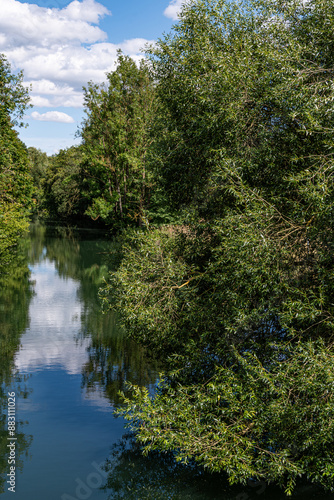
(66, 363)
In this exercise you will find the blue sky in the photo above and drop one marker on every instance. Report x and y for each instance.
(61, 45)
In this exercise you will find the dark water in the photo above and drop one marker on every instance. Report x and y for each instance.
(66, 362)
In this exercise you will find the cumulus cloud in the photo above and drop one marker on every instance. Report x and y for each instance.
(173, 9)
(72, 65)
(52, 116)
(60, 49)
(57, 94)
(48, 87)
(72, 101)
(87, 10)
(28, 24)
(39, 101)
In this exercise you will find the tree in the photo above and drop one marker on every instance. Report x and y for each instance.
(15, 180)
(115, 140)
(239, 298)
(63, 184)
(39, 164)
(14, 98)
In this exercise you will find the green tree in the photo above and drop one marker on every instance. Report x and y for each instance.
(239, 297)
(14, 98)
(116, 136)
(63, 184)
(39, 164)
(15, 180)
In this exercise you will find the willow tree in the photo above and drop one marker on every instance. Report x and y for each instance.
(239, 298)
(116, 136)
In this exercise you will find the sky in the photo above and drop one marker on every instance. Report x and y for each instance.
(61, 45)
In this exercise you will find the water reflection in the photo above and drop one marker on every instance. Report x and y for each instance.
(67, 362)
(54, 320)
(132, 476)
(76, 359)
(15, 296)
(67, 328)
(113, 359)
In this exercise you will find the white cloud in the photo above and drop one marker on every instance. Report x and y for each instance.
(52, 116)
(23, 23)
(73, 101)
(37, 100)
(134, 45)
(48, 87)
(58, 94)
(60, 50)
(61, 73)
(174, 9)
(72, 66)
(2, 40)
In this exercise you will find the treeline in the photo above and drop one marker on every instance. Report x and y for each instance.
(109, 178)
(15, 179)
(214, 161)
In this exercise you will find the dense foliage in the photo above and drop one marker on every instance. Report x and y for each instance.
(15, 179)
(238, 297)
(38, 165)
(108, 178)
(62, 184)
(116, 136)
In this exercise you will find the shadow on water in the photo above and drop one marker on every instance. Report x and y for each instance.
(114, 360)
(157, 476)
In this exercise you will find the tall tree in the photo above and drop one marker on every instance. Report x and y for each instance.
(15, 179)
(62, 184)
(115, 141)
(38, 163)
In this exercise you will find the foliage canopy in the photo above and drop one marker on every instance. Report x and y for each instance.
(239, 297)
(15, 179)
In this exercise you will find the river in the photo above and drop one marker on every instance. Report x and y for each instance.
(66, 362)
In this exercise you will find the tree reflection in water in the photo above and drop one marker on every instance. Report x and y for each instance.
(113, 359)
(157, 476)
(15, 296)
(133, 476)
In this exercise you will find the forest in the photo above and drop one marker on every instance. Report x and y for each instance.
(211, 165)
